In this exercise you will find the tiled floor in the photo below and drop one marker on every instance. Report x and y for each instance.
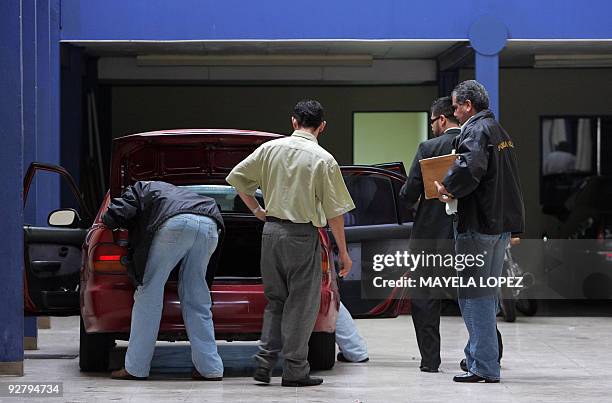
(545, 360)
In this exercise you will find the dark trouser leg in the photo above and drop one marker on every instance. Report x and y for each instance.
(426, 319)
(303, 257)
(291, 271)
(275, 290)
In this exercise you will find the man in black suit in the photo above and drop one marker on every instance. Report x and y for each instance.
(432, 231)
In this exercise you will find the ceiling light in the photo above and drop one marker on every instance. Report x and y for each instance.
(569, 61)
(254, 60)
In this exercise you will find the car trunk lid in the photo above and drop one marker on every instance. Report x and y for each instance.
(181, 156)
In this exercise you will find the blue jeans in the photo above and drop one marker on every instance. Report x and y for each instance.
(351, 344)
(479, 307)
(192, 239)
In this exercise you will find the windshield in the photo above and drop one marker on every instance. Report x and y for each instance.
(226, 197)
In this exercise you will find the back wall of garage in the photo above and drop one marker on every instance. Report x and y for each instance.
(142, 108)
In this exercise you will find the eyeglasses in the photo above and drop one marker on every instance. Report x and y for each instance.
(432, 121)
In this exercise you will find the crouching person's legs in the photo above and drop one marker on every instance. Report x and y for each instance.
(352, 346)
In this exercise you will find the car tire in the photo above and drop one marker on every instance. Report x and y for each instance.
(527, 306)
(322, 351)
(94, 350)
(507, 302)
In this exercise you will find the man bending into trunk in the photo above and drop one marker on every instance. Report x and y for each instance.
(168, 225)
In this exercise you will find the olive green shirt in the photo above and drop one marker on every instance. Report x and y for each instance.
(300, 181)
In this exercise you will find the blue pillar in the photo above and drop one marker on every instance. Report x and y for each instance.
(47, 110)
(487, 73)
(41, 100)
(488, 36)
(11, 174)
(28, 8)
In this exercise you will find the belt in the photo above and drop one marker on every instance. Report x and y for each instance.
(275, 219)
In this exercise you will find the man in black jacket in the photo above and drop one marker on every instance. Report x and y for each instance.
(485, 182)
(167, 225)
(432, 230)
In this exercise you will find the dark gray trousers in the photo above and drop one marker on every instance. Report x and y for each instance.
(291, 273)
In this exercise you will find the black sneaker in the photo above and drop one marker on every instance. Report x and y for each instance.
(262, 375)
(308, 381)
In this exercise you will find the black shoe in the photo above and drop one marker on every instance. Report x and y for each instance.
(473, 378)
(124, 375)
(308, 381)
(195, 375)
(425, 368)
(342, 358)
(262, 375)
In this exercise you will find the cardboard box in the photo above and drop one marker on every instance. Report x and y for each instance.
(435, 169)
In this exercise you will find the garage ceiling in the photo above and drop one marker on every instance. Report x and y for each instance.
(516, 53)
(378, 49)
(391, 61)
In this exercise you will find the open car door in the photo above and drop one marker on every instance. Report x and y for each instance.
(52, 255)
(378, 223)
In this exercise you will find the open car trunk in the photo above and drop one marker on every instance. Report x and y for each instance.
(240, 250)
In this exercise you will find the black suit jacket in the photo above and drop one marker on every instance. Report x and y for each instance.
(431, 220)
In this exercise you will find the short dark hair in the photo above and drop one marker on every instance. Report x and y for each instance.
(308, 113)
(473, 91)
(444, 106)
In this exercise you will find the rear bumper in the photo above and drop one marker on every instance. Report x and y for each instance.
(106, 307)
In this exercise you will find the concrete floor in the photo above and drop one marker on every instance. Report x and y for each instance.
(546, 359)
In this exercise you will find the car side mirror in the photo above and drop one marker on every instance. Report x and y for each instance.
(64, 218)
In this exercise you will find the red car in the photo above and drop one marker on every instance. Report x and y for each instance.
(71, 270)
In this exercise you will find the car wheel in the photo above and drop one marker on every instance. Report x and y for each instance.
(507, 303)
(94, 350)
(322, 351)
(527, 307)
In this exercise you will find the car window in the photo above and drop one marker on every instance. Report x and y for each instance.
(373, 198)
(226, 197)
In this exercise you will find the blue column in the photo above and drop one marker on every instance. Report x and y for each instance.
(41, 98)
(487, 73)
(488, 36)
(47, 108)
(11, 174)
(28, 8)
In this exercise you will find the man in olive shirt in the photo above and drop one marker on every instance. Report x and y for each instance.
(303, 189)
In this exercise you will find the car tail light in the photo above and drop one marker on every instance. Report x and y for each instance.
(109, 258)
(324, 261)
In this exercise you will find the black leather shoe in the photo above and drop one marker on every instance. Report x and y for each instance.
(473, 378)
(262, 375)
(308, 381)
(425, 368)
(342, 358)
